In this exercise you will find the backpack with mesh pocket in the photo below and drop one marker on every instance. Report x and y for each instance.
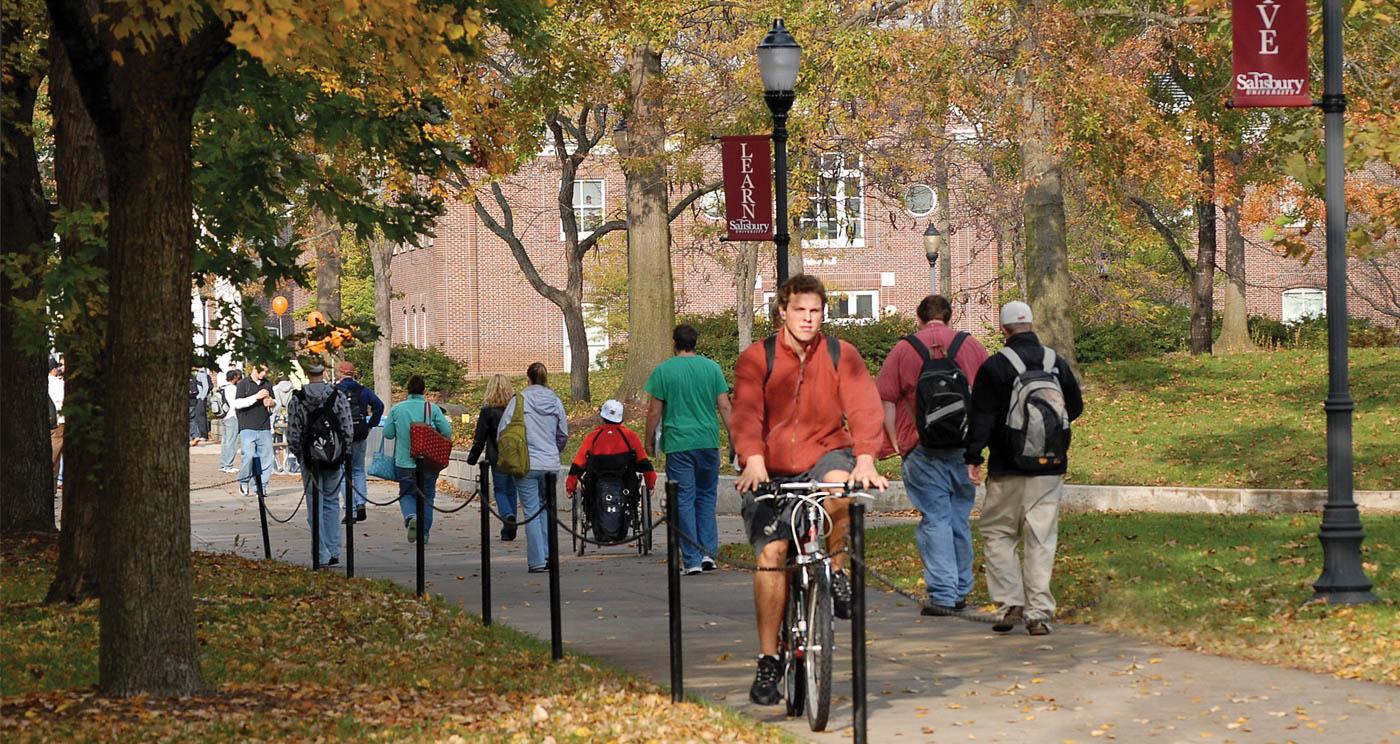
(1037, 423)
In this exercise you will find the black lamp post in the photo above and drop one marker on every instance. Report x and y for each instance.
(778, 57)
(933, 248)
(1343, 579)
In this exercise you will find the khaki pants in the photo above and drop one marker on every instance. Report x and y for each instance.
(56, 444)
(1023, 509)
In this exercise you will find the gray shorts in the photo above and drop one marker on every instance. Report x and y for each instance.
(766, 521)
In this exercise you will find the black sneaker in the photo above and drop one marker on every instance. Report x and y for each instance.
(1009, 619)
(933, 609)
(841, 595)
(765, 682)
(334, 561)
(508, 529)
(360, 515)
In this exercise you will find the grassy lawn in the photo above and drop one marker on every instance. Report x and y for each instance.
(292, 655)
(1230, 585)
(1244, 421)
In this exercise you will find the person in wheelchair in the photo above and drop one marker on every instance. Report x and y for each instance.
(607, 465)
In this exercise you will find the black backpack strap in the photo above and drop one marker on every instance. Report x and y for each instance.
(770, 350)
(958, 340)
(833, 347)
(918, 346)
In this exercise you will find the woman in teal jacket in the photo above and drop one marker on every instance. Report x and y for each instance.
(412, 478)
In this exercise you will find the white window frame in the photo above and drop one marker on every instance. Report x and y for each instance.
(1301, 303)
(834, 296)
(578, 216)
(843, 173)
(596, 333)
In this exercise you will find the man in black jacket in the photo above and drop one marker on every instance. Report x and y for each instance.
(1023, 494)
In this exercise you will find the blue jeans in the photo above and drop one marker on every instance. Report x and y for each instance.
(939, 488)
(426, 481)
(228, 446)
(327, 484)
(696, 475)
(256, 443)
(358, 482)
(530, 490)
(503, 486)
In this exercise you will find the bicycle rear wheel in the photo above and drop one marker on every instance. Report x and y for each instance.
(791, 646)
(820, 642)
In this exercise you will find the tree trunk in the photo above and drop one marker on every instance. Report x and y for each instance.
(1203, 275)
(745, 273)
(650, 290)
(1046, 255)
(1234, 326)
(26, 481)
(577, 333)
(81, 175)
(327, 265)
(143, 109)
(381, 253)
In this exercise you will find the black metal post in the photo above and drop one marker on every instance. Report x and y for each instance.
(485, 496)
(313, 502)
(858, 619)
(349, 522)
(262, 508)
(556, 633)
(779, 103)
(421, 585)
(1343, 580)
(673, 589)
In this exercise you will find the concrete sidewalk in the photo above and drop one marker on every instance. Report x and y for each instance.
(930, 679)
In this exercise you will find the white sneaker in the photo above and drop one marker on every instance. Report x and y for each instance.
(411, 524)
(228, 470)
(708, 564)
(691, 570)
(243, 489)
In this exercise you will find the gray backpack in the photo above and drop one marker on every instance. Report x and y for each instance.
(1037, 423)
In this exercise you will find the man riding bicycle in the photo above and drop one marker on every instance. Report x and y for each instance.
(805, 408)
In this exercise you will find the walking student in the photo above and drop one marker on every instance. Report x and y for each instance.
(200, 389)
(56, 431)
(228, 444)
(493, 404)
(686, 391)
(805, 408)
(546, 433)
(925, 385)
(254, 403)
(319, 431)
(1024, 399)
(366, 409)
(415, 477)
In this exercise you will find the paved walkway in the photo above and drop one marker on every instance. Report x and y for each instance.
(931, 679)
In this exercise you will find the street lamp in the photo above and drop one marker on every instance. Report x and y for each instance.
(778, 57)
(933, 248)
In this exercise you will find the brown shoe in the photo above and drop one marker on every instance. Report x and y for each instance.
(1038, 627)
(1009, 619)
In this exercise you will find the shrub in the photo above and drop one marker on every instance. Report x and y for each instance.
(441, 373)
(1311, 333)
(1168, 331)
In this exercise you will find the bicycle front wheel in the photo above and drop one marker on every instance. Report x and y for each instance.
(820, 644)
(791, 646)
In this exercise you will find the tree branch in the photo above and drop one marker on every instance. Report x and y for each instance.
(1391, 309)
(1149, 212)
(1146, 16)
(690, 198)
(586, 244)
(874, 13)
(505, 230)
(89, 58)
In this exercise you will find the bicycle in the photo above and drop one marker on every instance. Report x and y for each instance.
(807, 635)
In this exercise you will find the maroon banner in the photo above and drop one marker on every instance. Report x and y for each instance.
(1270, 53)
(748, 186)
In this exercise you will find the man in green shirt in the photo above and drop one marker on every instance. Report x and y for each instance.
(685, 391)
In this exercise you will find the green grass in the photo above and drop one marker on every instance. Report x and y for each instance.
(292, 655)
(1233, 585)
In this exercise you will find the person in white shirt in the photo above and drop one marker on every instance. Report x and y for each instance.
(56, 435)
(228, 449)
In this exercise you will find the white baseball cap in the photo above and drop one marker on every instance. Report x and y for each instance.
(612, 412)
(1016, 312)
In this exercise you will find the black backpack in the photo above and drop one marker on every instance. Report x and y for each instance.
(359, 415)
(770, 350)
(1037, 423)
(942, 397)
(323, 444)
(613, 485)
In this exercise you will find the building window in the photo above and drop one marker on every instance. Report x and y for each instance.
(919, 200)
(588, 207)
(853, 307)
(1303, 303)
(595, 328)
(836, 209)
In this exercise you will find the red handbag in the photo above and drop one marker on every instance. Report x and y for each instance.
(426, 444)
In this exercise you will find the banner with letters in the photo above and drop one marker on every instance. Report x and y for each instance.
(1270, 53)
(748, 186)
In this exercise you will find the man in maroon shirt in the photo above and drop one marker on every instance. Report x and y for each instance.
(815, 414)
(937, 478)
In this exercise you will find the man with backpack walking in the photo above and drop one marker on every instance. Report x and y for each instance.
(365, 411)
(1022, 404)
(926, 387)
(319, 432)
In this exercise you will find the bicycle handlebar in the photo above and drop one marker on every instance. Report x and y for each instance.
(771, 490)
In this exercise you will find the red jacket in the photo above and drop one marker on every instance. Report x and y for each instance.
(610, 440)
(807, 408)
